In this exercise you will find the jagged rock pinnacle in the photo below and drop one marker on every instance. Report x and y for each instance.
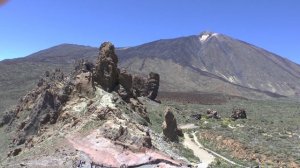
(106, 71)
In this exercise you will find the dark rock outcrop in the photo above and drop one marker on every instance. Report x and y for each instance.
(124, 89)
(45, 110)
(238, 114)
(42, 105)
(7, 118)
(106, 71)
(138, 84)
(14, 152)
(170, 129)
(83, 66)
(110, 78)
(147, 87)
(125, 80)
(196, 116)
(152, 85)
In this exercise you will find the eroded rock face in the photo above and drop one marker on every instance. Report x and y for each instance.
(239, 114)
(46, 110)
(170, 129)
(106, 71)
(137, 106)
(39, 107)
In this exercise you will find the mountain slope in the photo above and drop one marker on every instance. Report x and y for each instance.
(208, 62)
(221, 57)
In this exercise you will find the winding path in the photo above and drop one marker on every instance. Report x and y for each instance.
(205, 157)
(204, 154)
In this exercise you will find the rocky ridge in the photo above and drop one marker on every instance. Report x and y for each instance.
(95, 103)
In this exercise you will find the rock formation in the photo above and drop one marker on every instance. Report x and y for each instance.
(106, 70)
(147, 87)
(238, 114)
(170, 129)
(43, 104)
(152, 85)
(124, 88)
(138, 86)
(83, 78)
(110, 78)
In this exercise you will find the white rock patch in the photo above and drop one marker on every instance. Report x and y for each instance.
(214, 34)
(80, 107)
(232, 79)
(104, 98)
(273, 89)
(203, 37)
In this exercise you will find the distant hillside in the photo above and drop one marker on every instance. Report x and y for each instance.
(208, 62)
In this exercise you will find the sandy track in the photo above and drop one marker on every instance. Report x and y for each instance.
(205, 157)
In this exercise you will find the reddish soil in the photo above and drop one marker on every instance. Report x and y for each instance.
(105, 152)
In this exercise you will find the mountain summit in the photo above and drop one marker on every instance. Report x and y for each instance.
(205, 62)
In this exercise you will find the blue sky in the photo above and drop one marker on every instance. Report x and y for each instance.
(27, 26)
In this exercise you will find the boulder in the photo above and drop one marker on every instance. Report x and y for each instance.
(238, 114)
(14, 152)
(196, 116)
(170, 129)
(212, 114)
(7, 118)
(147, 142)
(106, 71)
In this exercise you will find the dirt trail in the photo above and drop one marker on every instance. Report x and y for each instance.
(214, 153)
(205, 157)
